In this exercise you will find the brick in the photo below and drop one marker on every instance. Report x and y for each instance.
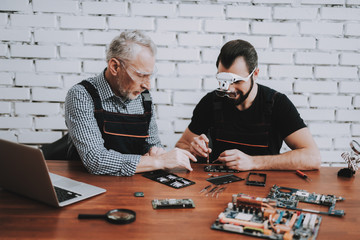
(164, 125)
(15, 35)
(58, 66)
(94, 66)
(209, 55)
(342, 143)
(340, 13)
(201, 10)
(9, 135)
(16, 64)
(331, 157)
(356, 102)
(5, 107)
(3, 50)
(39, 137)
(294, 42)
(50, 123)
(82, 52)
(55, 6)
(71, 80)
(161, 97)
(3, 19)
(256, 41)
(275, 57)
(180, 54)
(315, 87)
(323, 142)
(118, 8)
(186, 69)
(15, 5)
(48, 95)
(25, 108)
(210, 40)
(35, 80)
(274, 28)
(355, 130)
(272, 1)
(318, 58)
(20, 20)
(33, 51)
(15, 122)
(178, 25)
(178, 83)
(98, 37)
(165, 68)
(299, 100)
(226, 26)
(347, 115)
(330, 101)
(336, 72)
(295, 13)
(290, 71)
(169, 140)
(6, 78)
(349, 87)
(187, 97)
(252, 12)
(181, 125)
(352, 2)
(330, 129)
(210, 84)
(14, 93)
(339, 44)
(163, 39)
(57, 36)
(352, 29)
(169, 112)
(350, 59)
(138, 23)
(317, 114)
(279, 85)
(153, 9)
(82, 22)
(321, 28)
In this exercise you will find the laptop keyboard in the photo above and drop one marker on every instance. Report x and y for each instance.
(63, 194)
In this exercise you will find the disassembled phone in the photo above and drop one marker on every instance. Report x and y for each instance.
(219, 168)
(169, 179)
(256, 179)
(290, 197)
(258, 218)
(172, 203)
(224, 179)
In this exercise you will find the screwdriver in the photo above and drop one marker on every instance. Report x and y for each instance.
(303, 175)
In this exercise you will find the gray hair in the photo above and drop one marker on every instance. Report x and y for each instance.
(126, 45)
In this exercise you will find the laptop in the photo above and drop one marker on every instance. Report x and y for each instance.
(23, 171)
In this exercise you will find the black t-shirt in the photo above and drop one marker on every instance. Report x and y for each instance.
(285, 118)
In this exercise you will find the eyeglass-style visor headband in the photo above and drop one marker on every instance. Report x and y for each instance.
(226, 78)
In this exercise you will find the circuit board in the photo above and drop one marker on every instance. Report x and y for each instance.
(219, 168)
(172, 203)
(256, 217)
(290, 197)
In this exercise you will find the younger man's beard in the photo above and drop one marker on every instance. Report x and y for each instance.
(243, 97)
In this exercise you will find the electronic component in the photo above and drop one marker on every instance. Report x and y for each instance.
(290, 197)
(219, 168)
(224, 179)
(169, 179)
(172, 203)
(256, 179)
(258, 217)
(138, 194)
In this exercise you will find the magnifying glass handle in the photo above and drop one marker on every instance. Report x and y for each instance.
(91, 216)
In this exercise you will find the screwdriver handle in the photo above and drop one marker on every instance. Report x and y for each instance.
(302, 175)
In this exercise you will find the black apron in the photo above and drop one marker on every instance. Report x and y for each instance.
(251, 138)
(124, 133)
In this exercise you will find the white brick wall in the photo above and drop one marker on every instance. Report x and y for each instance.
(308, 49)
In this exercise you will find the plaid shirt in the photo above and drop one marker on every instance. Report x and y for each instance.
(85, 133)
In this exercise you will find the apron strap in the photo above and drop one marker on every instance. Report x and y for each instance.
(93, 93)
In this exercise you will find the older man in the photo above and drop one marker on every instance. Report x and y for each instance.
(111, 118)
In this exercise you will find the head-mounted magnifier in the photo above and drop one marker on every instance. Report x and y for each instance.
(227, 78)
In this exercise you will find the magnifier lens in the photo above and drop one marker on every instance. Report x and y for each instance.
(116, 216)
(119, 215)
(355, 146)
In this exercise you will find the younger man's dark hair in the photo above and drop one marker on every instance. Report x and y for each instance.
(234, 49)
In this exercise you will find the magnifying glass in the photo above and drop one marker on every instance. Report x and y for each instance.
(355, 146)
(115, 216)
